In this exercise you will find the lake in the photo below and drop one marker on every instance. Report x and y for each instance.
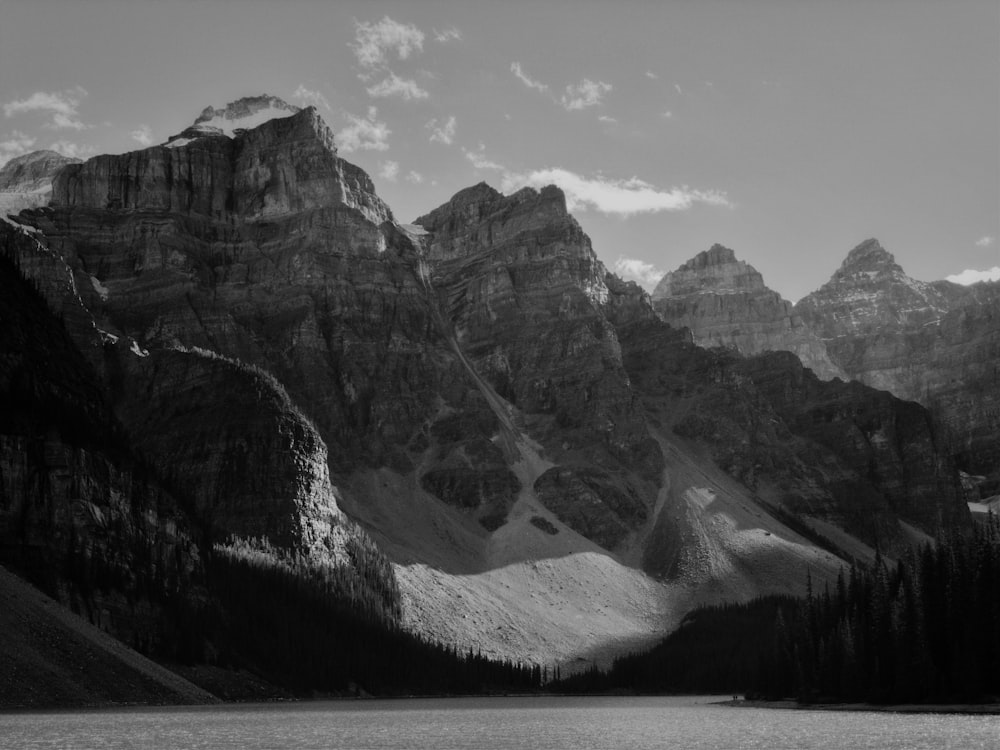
(573, 723)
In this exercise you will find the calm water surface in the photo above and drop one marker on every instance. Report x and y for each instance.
(496, 723)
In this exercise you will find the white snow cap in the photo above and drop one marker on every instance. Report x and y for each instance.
(242, 114)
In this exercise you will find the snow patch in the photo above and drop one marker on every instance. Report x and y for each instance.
(177, 142)
(102, 291)
(138, 350)
(225, 123)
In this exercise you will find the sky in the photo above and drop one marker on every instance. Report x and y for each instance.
(789, 131)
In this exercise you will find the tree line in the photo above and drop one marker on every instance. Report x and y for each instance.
(922, 629)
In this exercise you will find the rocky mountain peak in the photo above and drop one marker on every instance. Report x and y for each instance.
(715, 270)
(867, 258)
(717, 255)
(32, 172)
(242, 114)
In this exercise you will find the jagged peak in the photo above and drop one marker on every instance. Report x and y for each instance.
(868, 257)
(236, 117)
(717, 255)
(716, 270)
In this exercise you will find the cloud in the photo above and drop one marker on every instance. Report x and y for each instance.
(364, 133)
(19, 143)
(143, 134)
(667, 115)
(607, 119)
(651, 75)
(73, 150)
(415, 177)
(62, 105)
(444, 134)
(516, 69)
(584, 94)
(479, 160)
(451, 34)
(970, 276)
(645, 273)
(678, 89)
(389, 170)
(610, 196)
(376, 42)
(405, 88)
(985, 241)
(315, 98)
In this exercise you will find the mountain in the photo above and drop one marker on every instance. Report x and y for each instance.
(935, 343)
(724, 302)
(26, 181)
(494, 440)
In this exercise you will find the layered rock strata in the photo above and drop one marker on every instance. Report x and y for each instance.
(936, 343)
(724, 302)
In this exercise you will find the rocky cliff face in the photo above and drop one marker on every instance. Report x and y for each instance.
(724, 302)
(933, 343)
(79, 513)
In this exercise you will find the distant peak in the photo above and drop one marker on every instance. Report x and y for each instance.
(869, 257)
(717, 255)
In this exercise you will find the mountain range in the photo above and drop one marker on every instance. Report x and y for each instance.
(228, 341)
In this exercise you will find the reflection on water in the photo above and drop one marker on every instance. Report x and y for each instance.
(538, 723)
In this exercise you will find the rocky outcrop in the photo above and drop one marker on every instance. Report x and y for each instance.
(936, 343)
(228, 437)
(724, 302)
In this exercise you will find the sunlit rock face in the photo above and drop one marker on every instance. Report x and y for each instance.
(26, 181)
(937, 343)
(724, 302)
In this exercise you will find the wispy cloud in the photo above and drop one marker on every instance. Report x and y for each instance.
(584, 94)
(444, 133)
(985, 241)
(376, 42)
(608, 119)
(678, 89)
(611, 196)
(414, 177)
(478, 159)
(315, 98)
(19, 143)
(651, 75)
(392, 85)
(73, 150)
(364, 133)
(143, 134)
(62, 105)
(389, 170)
(451, 34)
(970, 276)
(667, 115)
(531, 83)
(638, 270)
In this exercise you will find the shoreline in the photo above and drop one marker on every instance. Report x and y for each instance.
(977, 709)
